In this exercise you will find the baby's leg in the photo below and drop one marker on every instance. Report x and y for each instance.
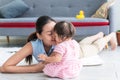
(103, 41)
(91, 39)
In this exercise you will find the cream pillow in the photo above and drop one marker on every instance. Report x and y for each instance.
(102, 12)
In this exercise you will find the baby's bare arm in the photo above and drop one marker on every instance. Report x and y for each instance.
(54, 57)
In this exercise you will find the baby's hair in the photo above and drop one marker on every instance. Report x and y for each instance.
(64, 29)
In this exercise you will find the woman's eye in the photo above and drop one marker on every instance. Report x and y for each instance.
(50, 34)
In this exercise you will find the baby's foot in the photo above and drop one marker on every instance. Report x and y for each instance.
(113, 41)
(100, 34)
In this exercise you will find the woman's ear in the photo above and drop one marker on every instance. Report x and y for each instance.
(38, 36)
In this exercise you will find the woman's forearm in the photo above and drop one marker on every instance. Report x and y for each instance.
(22, 69)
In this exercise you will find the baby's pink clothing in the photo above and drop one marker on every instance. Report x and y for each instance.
(70, 64)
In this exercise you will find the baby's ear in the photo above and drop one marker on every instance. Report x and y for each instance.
(38, 36)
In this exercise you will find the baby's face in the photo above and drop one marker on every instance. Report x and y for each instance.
(57, 38)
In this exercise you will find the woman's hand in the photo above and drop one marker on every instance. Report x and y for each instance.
(42, 57)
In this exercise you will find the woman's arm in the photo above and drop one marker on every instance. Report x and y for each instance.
(11, 64)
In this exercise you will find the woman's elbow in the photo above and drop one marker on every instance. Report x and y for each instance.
(3, 69)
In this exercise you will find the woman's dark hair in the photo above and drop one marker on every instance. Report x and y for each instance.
(41, 21)
(64, 29)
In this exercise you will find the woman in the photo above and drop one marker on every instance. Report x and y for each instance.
(39, 42)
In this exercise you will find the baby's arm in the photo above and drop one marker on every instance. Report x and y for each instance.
(54, 57)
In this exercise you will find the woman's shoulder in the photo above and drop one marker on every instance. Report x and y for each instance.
(36, 42)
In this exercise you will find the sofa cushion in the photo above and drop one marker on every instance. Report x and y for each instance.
(13, 9)
(30, 22)
(18, 22)
(91, 22)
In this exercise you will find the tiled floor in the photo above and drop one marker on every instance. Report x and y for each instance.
(109, 70)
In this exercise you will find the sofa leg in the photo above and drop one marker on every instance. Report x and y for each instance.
(8, 40)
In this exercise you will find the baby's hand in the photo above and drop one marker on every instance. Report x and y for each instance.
(42, 57)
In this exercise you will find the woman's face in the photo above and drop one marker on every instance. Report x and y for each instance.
(47, 33)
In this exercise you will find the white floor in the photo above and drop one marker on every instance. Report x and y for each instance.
(109, 70)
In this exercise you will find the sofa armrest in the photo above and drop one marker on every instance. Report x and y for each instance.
(114, 13)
